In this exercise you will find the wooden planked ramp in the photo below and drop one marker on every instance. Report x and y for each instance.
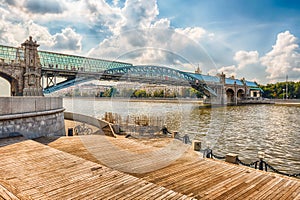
(30, 170)
(189, 174)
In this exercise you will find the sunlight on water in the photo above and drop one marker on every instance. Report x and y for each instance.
(244, 130)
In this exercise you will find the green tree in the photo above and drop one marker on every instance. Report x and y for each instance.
(278, 90)
(140, 93)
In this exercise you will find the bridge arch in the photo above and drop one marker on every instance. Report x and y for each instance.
(13, 81)
(230, 95)
(240, 93)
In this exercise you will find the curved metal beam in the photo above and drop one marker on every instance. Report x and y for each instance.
(158, 75)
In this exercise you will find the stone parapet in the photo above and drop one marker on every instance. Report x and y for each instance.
(31, 117)
(17, 105)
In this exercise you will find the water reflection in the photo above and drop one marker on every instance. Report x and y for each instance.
(244, 130)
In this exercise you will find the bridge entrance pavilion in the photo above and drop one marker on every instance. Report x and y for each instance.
(21, 68)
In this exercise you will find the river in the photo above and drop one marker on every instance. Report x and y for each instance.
(245, 130)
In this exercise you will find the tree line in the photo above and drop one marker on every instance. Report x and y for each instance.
(141, 93)
(138, 93)
(280, 90)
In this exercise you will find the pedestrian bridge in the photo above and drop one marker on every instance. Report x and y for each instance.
(31, 72)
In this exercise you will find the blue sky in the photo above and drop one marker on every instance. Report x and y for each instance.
(251, 22)
(255, 39)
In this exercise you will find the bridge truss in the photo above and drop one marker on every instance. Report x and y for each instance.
(157, 75)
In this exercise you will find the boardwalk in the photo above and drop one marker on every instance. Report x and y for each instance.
(30, 170)
(189, 174)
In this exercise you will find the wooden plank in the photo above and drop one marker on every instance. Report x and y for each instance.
(6, 194)
(259, 183)
(66, 175)
(200, 177)
(250, 182)
(294, 188)
(211, 177)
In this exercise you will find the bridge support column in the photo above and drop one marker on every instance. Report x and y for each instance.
(32, 74)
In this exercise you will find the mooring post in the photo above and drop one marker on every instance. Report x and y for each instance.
(175, 134)
(196, 145)
(261, 156)
(231, 158)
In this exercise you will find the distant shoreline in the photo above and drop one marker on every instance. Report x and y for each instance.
(152, 100)
(287, 102)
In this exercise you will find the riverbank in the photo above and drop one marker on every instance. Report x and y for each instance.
(151, 100)
(287, 102)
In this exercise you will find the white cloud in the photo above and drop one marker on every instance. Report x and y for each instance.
(15, 34)
(68, 40)
(195, 33)
(140, 37)
(244, 58)
(136, 33)
(283, 57)
(296, 69)
(228, 70)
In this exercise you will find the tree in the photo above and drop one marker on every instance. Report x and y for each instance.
(140, 93)
(278, 90)
(110, 92)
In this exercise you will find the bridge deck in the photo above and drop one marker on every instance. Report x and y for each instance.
(189, 174)
(30, 170)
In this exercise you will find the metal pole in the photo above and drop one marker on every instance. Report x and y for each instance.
(286, 88)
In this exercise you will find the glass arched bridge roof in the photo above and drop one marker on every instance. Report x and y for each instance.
(60, 61)
(64, 61)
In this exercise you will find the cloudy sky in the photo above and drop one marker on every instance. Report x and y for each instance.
(255, 39)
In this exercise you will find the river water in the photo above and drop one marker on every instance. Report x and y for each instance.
(244, 130)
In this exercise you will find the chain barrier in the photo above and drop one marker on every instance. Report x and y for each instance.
(259, 164)
(248, 165)
(283, 173)
(217, 157)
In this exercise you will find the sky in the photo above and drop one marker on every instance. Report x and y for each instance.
(255, 39)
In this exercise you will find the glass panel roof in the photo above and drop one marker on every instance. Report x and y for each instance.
(71, 62)
(61, 61)
(230, 81)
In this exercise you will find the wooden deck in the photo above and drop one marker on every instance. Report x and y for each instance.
(30, 170)
(189, 174)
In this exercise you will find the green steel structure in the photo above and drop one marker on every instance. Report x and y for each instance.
(60, 61)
